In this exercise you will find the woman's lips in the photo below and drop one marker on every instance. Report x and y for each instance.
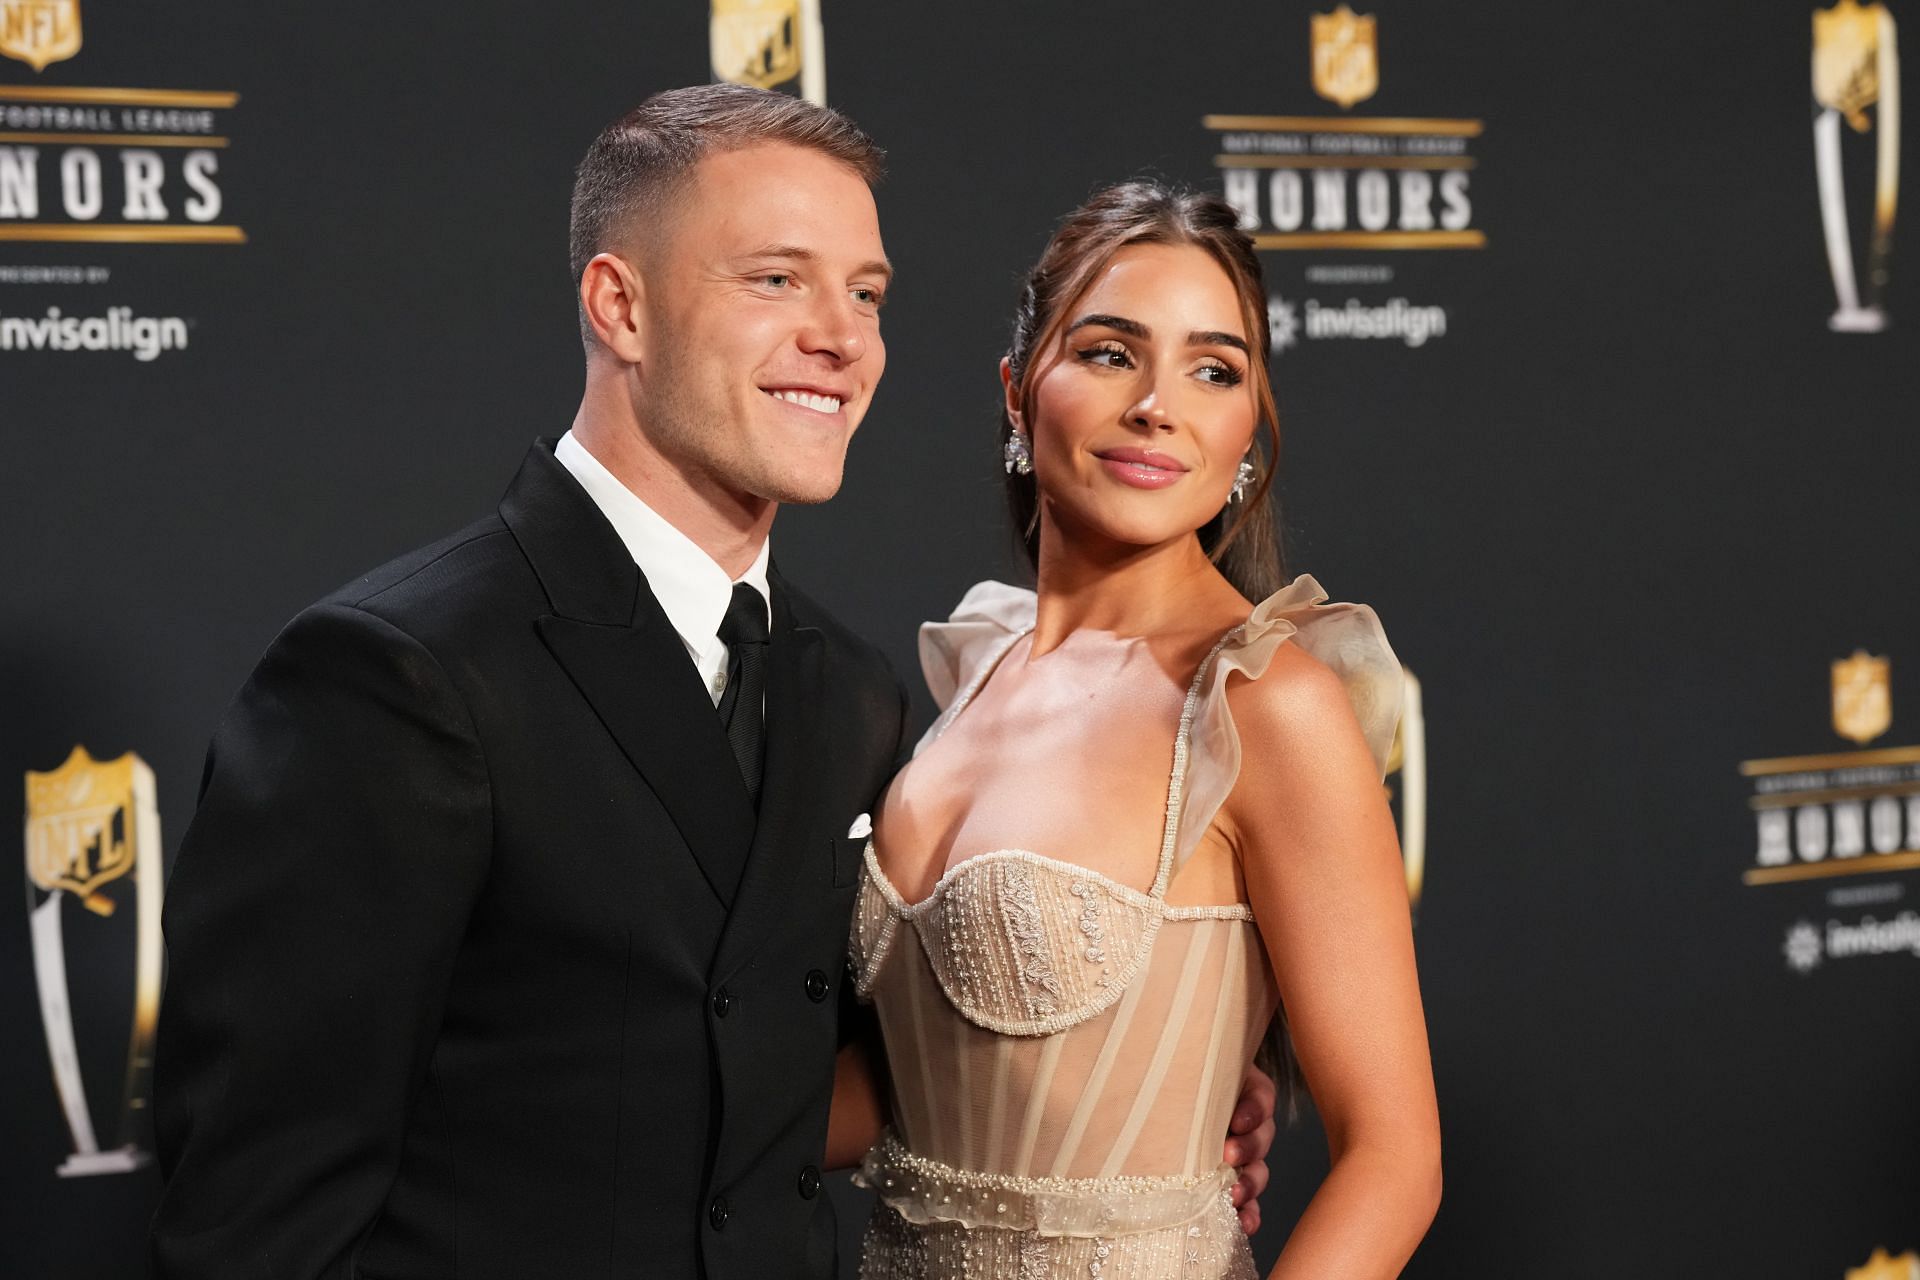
(1142, 468)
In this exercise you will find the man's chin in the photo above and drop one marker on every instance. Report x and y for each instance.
(809, 493)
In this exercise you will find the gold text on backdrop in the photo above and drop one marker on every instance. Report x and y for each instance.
(92, 824)
(1856, 67)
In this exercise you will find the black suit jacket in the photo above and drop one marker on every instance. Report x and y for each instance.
(465, 980)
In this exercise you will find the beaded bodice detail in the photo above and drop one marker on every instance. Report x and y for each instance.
(1065, 1049)
(1020, 943)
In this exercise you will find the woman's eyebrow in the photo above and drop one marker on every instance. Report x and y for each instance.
(1132, 328)
(1198, 338)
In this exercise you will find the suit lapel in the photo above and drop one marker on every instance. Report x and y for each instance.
(799, 756)
(642, 686)
(613, 640)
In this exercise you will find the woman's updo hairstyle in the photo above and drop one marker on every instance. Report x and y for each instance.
(1243, 540)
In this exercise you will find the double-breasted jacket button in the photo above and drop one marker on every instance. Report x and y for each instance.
(722, 1002)
(817, 985)
(809, 1183)
(717, 1213)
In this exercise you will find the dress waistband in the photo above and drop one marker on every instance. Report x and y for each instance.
(926, 1191)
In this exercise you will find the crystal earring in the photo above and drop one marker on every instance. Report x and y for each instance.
(1242, 482)
(1018, 457)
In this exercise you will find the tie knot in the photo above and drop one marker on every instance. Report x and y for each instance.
(746, 619)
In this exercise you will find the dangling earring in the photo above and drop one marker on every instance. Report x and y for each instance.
(1242, 481)
(1018, 457)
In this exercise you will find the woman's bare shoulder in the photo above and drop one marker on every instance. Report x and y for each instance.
(1298, 700)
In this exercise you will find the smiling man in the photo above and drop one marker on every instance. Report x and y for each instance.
(508, 938)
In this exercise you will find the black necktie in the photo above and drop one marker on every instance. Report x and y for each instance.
(744, 632)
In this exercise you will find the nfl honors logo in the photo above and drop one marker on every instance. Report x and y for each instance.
(39, 32)
(1346, 59)
(1840, 813)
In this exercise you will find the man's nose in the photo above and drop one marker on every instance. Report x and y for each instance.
(835, 328)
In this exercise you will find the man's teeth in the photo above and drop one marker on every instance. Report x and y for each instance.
(819, 404)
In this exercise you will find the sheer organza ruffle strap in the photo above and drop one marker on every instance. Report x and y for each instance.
(1346, 637)
(988, 617)
(957, 653)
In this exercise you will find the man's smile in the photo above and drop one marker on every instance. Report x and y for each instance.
(807, 398)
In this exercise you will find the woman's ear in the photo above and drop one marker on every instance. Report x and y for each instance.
(1011, 393)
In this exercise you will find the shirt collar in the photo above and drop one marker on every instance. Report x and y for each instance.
(693, 590)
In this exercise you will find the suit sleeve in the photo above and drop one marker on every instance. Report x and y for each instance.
(903, 740)
(312, 921)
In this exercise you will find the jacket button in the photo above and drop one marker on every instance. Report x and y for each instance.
(817, 985)
(717, 1213)
(722, 1002)
(809, 1183)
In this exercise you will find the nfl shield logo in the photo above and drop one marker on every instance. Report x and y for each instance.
(755, 42)
(1862, 697)
(1846, 59)
(1346, 61)
(38, 32)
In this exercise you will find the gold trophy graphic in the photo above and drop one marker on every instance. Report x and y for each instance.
(1856, 66)
(770, 44)
(91, 824)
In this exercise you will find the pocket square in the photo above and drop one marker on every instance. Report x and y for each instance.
(861, 828)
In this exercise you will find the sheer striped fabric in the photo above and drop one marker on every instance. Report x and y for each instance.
(1065, 1050)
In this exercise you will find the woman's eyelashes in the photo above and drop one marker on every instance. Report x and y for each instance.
(1109, 355)
(1221, 374)
(1113, 355)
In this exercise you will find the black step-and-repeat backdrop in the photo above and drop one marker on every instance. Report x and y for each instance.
(1594, 340)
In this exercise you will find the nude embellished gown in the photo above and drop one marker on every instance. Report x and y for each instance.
(1065, 1050)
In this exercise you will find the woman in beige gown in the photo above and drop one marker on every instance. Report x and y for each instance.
(1149, 817)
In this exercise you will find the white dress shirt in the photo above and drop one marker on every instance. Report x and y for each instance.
(692, 589)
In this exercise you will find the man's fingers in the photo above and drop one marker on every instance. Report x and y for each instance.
(1250, 1217)
(1256, 1103)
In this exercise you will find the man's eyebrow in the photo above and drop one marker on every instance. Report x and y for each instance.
(1198, 338)
(795, 253)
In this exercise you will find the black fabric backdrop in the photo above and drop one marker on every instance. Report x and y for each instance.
(1618, 518)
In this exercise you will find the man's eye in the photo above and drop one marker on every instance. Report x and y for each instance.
(869, 297)
(776, 279)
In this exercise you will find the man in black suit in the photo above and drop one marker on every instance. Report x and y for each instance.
(507, 940)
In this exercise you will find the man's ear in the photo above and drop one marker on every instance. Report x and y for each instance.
(612, 297)
(1011, 392)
